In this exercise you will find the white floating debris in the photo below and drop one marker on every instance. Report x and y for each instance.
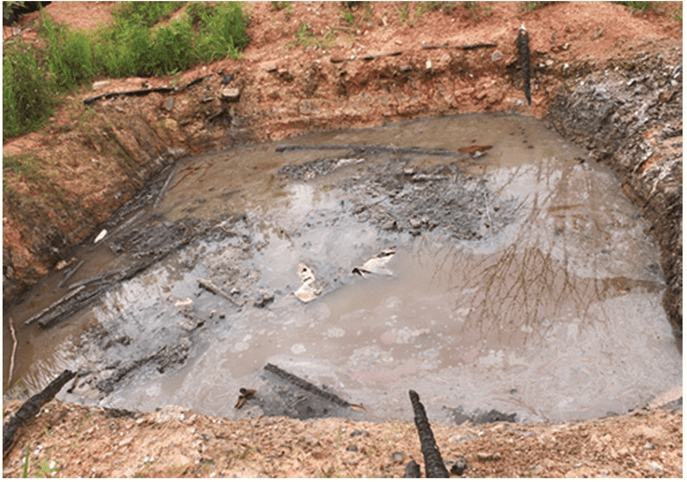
(188, 301)
(310, 289)
(377, 264)
(99, 237)
(298, 348)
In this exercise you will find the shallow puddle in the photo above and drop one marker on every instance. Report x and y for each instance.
(544, 299)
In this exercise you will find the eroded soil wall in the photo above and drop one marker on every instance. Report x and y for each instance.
(629, 115)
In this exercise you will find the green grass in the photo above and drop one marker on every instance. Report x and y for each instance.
(305, 37)
(281, 6)
(531, 6)
(224, 32)
(410, 17)
(33, 78)
(347, 14)
(445, 7)
(28, 97)
(146, 13)
(677, 14)
(641, 6)
(25, 471)
(404, 14)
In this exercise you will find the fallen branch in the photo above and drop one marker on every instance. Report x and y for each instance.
(31, 407)
(480, 45)
(164, 188)
(371, 148)
(70, 273)
(215, 290)
(55, 305)
(305, 385)
(434, 464)
(136, 93)
(335, 60)
(14, 349)
(196, 81)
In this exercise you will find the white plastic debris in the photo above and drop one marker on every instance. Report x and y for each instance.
(377, 264)
(100, 236)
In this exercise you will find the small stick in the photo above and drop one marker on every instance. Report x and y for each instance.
(14, 348)
(480, 45)
(164, 188)
(70, 273)
(214, 289)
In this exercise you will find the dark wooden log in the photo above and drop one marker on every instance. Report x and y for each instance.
(135, 93)
(480, 45)
(31, 407)
(524, 46)
(434, 464)
(371, 148)
(305, 385)
(70, 273)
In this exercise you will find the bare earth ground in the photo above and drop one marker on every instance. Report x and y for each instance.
(286, 90)
(176, 442)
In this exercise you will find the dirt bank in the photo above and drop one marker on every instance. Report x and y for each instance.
(73, 441)
(604, 77)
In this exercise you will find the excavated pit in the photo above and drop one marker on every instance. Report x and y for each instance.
(512, 275)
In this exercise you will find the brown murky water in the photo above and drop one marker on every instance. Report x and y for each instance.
(555, 316)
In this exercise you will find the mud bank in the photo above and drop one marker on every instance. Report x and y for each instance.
(75, 441)
(629, 115)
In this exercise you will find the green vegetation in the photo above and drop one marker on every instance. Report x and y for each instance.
(27, 95)
(531, 6)
(44, 470)
(347, 14)
(306, 37)
(403, 12)
(25, 471)
(281, 5)
(445, 7)
(146, 13)
(410, 18)
(641, 6)
(478, 9)
(32, 77)
(677, 14)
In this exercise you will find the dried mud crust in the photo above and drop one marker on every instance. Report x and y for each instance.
(174, 442)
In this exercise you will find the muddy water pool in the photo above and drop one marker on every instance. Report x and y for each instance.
(521, 280)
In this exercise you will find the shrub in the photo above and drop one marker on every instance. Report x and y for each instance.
(222, 32)
(173, 47)
(145, 13)
(69, 55)
(28, 93)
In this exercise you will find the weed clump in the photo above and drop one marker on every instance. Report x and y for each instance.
(27, 94)
(132, 46)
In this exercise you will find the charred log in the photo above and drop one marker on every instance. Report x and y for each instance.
(434, 464)
(31, 407)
